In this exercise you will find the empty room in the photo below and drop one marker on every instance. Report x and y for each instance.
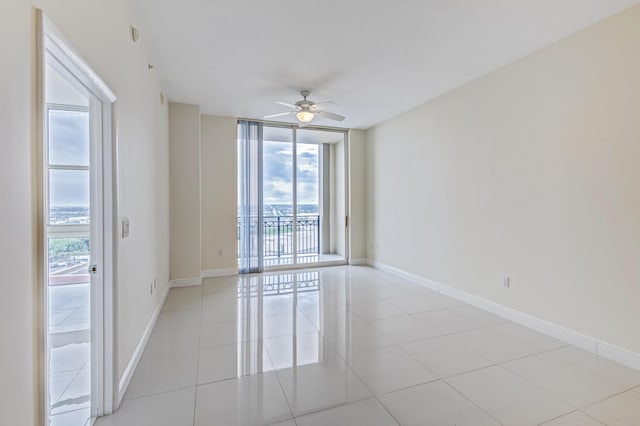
(346, 213)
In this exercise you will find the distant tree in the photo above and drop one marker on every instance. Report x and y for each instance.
(68, 247)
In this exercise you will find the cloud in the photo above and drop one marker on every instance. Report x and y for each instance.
(69, 188)
(278, 173)
(69, 145)
(69, 138)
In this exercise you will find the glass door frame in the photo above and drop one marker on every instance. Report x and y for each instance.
(295, 128)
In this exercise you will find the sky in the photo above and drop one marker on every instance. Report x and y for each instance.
(278, 173)
(69, 134)
(69, 145)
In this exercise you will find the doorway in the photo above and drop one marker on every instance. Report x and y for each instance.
(292, 180)
(76, 234)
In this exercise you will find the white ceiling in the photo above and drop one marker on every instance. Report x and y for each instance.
(375, 59)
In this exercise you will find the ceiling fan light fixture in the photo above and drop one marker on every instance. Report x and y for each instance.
(305, 116)
(306, 110)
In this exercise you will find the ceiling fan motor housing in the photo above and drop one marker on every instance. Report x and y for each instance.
(305, 110)
(305, 104)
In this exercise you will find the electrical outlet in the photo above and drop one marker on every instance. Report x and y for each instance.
(506, 281)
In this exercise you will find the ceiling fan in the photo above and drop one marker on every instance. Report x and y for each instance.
(306, 110)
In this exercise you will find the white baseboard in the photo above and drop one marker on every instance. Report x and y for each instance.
(362, 261)
(590, 344)
(431, 285)
(185, 282)
(208, 273)
(223, 272)
(622, 356)
(125, 379)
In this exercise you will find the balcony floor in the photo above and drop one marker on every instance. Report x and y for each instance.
(69, 353)
(302, 259)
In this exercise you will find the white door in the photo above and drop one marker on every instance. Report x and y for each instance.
(76, 235)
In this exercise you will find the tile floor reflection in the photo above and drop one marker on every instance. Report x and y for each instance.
(356, 346)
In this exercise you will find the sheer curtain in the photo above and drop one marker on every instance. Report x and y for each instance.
(250, 196)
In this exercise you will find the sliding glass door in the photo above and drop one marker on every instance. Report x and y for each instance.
(322, 171)
(308, 202)
(303, 193)
(278, 196)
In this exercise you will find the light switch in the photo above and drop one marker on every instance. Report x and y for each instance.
(125, 227)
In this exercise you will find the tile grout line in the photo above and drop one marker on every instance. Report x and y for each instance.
(75, 376)
(331, 407)
(568, 414)
(284, 394)
(195, 394)
(592, 417)
(341, 404)
(608, 397)
(438, 379)
(156, 394)
(576, 408)
(572, 406)
(441, 335)
(471, 401)
(387, 410)
(275, 371)
(373, 394)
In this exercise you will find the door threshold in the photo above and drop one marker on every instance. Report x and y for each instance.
(314, 265)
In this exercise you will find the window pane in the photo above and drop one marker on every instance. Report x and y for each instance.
(68, 197)
(307, 179)
(68, 261)
(68, 137)
(277, 170)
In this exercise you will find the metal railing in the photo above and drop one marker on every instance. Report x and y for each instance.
(278, 235)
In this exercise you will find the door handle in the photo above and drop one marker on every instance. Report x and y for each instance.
(93, 269)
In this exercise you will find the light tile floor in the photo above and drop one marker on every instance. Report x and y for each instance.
(360, 348)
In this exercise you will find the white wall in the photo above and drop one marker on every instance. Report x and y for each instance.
(357, 199)
(333, 212)
(17, 305)
(219, 190)
(338, 229)
(99, 32)
(531, 171)
(184, 142)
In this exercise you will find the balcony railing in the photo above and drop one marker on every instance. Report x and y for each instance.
(278, 235)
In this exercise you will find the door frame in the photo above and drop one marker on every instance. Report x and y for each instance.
(347, 204)
(50, 42)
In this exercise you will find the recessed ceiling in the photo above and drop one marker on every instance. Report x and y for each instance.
(375, 59)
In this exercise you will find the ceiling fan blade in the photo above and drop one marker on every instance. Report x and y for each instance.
(330, 115)
(322, 105)
(287, 105)
(280, 114)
